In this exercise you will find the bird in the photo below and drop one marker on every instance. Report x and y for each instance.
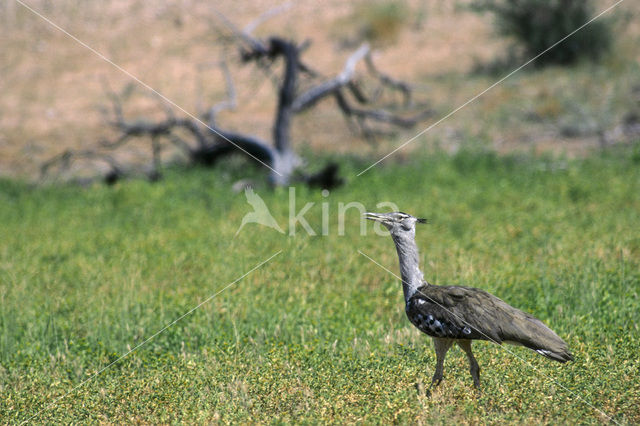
(458, 314)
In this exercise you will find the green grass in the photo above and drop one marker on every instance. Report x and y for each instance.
(319, 333)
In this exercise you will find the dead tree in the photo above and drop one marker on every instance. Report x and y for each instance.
(206, 142)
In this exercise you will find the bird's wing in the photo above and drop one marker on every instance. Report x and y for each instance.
(452, 312)
(471, 313)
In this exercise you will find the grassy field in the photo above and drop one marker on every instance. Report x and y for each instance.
(318, 334)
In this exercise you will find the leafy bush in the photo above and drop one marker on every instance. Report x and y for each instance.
(538, 24)
(380, 21)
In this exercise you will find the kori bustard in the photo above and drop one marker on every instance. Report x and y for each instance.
(455, 314)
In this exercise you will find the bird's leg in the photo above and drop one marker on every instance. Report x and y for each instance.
(474, 368)
(441, 346)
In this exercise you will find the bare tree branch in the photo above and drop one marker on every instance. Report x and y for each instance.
(251, 145)
(388, 81)
(380, 115)
(64, 161)
(252, 43)
(230, 103)
(265, 16)
(313, 95)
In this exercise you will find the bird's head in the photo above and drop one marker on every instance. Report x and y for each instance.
(396, 222)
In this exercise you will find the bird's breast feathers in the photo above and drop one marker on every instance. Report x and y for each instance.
(435, 321)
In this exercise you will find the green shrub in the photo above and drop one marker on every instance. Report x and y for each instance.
(538, 24)
(380, 21)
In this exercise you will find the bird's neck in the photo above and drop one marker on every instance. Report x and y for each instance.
(412, 277)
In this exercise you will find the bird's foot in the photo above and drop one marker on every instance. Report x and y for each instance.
(476, 386)
(434, 384)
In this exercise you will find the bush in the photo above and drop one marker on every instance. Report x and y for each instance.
(380, 21)
(538, 24)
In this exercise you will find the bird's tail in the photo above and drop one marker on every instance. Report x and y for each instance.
(535, 335)
(562, 356)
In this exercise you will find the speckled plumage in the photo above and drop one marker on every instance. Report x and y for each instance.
(456, 314)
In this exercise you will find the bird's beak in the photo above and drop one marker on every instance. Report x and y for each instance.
(423, 221)
(375, 216)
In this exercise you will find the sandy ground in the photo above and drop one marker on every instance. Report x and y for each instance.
(53, 86)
